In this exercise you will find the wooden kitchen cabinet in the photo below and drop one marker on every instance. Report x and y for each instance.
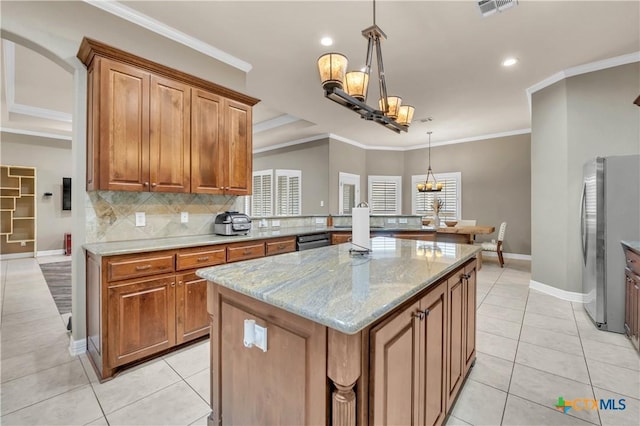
(245, 250)
(414, 342)
(141, 319)
(280, 246)
(153, 128)
(456, 336)
(192, 320)
(470, 295)
(340, 237)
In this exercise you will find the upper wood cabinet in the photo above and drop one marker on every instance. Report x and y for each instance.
(153, 128)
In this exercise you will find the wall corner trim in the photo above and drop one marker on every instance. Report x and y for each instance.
(569, 296)
(77, 347)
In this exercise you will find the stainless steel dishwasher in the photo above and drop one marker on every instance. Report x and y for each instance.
(306, 242)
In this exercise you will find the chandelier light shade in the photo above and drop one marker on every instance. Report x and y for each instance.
(332, 67)
(349, 89)
(392, 107)
(405, 115)
(430, 184)
(356, 84)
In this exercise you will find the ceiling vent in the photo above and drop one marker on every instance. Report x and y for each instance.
(489, 7)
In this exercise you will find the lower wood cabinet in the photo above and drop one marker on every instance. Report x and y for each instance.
(632, 297)
(141, 319)
(192, 320)
(414, 343)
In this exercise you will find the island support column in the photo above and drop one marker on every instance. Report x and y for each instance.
(343, 368)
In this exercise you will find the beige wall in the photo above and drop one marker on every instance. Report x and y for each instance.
(312, 158)
(52, 160)
(496, 182)
(348, 159)
(572, 121)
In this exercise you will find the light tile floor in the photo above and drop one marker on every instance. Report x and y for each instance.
(532, 348)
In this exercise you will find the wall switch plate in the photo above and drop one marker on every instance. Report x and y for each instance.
(184, 217)
(321, 203)
(403, 220)
(275, 223)
(391, 220)
(140, 219)
(263, 223)
(321, 221)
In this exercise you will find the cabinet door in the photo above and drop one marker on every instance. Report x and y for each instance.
(434, 354)
(340, 238)
(170, 137)
(635, 312)
(395, 370)
(192, 320)
(141, 319)
(239, 149)
(124, 127)
(457, 336)
(470, 323)
(629, 301)
(207, 167)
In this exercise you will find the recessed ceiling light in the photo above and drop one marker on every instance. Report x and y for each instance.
(509, 62)
(326, 41)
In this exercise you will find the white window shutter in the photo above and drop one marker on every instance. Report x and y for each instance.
(384, 194)
(262, 197)
(288, 192)
(422, 203)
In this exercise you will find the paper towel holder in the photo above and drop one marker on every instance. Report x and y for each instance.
(359, 250)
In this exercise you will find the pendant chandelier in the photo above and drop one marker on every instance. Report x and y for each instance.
(349, 89)
(430, 184)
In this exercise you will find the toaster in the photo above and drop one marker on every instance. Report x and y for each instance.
(232, 223)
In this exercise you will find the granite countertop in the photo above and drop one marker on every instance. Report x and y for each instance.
(113, 248)
(347, 293)
(632, 245)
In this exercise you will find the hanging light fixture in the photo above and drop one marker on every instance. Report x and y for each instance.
(430, 184)
(351, 90)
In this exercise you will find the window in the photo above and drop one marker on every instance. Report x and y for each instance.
(349, 192)
(288, 192)
(261, 200)
(385, 194)
(422, 203)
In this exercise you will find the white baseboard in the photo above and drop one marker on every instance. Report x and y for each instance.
(507, 255)
(77, 347)
(49, 253)
(569, 296)
(16, 256)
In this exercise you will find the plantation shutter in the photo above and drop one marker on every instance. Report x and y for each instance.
(384, 194)
(262, 197)
(347, 196)
(288, 192)
(450, 195)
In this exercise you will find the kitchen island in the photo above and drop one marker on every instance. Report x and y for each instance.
(326, 336)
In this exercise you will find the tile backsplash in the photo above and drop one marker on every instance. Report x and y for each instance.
(111, 214)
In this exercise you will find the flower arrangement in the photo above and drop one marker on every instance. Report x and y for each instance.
(437, 205)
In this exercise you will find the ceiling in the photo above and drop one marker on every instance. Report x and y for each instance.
(444, 58)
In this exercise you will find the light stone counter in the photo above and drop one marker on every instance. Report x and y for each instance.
(113, 248)
(329, 286)
(632, 245)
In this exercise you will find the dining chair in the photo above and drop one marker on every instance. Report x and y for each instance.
(496, 246)
(466, 222)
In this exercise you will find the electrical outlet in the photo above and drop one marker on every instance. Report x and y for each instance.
(321, 221)
(184, 217)
(391, 220)
(321, 203)
(141, 220)
(403, 220)
(23, 244)
(275, 223)
(263, 223)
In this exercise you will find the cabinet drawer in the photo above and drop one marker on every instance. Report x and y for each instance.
(280, 246)
(244, 251)
(201, 257)
(340, 238)
(633, 261)
(122, 268)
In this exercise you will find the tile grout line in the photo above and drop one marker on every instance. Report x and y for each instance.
(584, 356)
(93, 390)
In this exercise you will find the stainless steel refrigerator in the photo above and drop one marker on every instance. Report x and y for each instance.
(610, 213)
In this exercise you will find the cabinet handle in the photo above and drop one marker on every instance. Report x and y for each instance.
(203, 259)
(173, 284)
(142, 268)
(221, 188)
(145, 184)
(179, 283)
(246, 252)
(226, 188)
(154, 184)
(426, 312)
(281, 247)
(631, 260)
(419, 315)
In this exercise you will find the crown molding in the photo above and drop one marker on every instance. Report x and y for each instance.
(26, 132)
(292, 143)
(582, 69)
(272, 123)
(121, 11)
(472, 139)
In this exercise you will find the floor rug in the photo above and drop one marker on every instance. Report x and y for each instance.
(58, 278)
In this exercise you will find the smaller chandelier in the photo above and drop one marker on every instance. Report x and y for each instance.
(349, 89)
(430, 184)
